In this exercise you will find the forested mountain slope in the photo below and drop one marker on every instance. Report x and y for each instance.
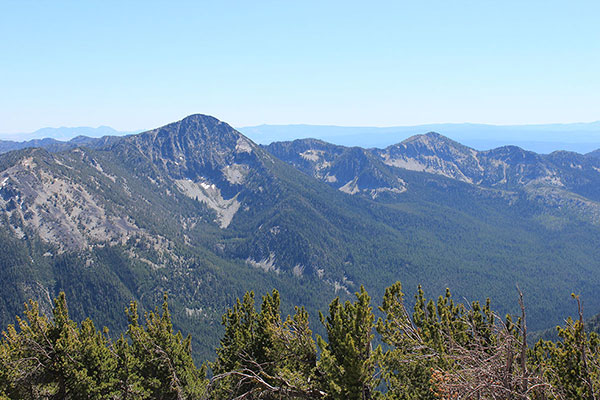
(197, 210)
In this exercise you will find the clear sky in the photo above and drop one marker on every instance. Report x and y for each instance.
(134, 65)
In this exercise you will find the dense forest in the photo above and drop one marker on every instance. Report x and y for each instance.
(112, 224)
(441, 350)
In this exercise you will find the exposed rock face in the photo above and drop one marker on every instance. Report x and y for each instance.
(61, 196)
(352, 170)
(504, 167)
(191, 147)
(198, 148)
(132, 188)
(560, 179)
(210, 195)
(432, 153)
(54, 204)
(196, 209)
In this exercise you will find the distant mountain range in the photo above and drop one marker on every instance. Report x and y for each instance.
(546, 138)
(543, 138)
(58, 139)
(64, 133)
(54, 145)
(198, 210)
(559, 177)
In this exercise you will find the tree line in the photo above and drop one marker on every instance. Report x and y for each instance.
(440, 350)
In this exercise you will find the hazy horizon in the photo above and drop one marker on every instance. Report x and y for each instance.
(541, 138)
(3, 135)
(132, 65)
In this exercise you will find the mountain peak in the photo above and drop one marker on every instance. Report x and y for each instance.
(433, 134)
(194, 129)
(201, 118)
(432, 137)
(194, 124)
(198, 147)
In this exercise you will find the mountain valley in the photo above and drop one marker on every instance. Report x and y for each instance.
(197, 210)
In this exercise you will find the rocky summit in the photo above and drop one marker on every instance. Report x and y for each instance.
(558, 180)
(197, 210)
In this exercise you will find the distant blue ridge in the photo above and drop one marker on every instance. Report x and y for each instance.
(543, 138)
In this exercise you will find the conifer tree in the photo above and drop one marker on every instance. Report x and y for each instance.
(57, 359)
(347, 358)
(572, 364)
(407, 365)
(237, 345)
(164, 359)
(445, 350)
(261, 357)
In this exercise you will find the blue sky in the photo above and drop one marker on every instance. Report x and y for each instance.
(134, 65)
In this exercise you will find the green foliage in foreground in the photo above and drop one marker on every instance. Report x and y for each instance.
(58, 359)
(442, 350)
